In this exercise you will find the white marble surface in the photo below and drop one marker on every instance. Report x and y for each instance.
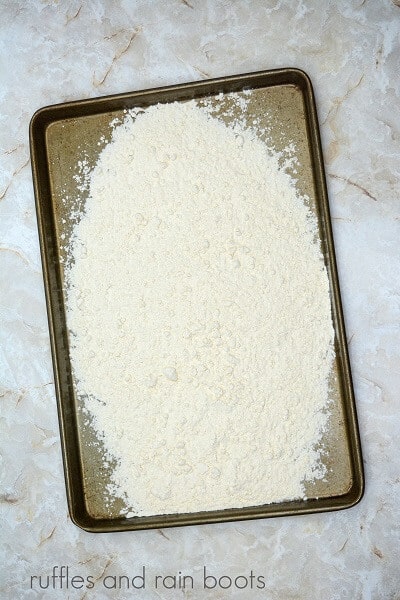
(61, 50)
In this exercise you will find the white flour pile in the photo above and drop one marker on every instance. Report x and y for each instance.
(199, 309)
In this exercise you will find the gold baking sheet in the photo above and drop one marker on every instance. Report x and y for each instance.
(60, 135)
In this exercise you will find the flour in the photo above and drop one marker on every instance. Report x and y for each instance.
(200, 320)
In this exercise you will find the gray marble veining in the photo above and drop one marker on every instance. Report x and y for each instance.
(56, 51)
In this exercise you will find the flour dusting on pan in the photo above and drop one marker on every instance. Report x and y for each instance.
(199, 314)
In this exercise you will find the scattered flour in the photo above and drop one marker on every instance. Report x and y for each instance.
(199, 312)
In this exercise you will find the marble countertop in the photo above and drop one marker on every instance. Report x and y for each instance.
(53, 51)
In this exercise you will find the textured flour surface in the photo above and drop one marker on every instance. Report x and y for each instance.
(199, 309)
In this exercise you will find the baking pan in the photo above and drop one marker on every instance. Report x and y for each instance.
(62, 134)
